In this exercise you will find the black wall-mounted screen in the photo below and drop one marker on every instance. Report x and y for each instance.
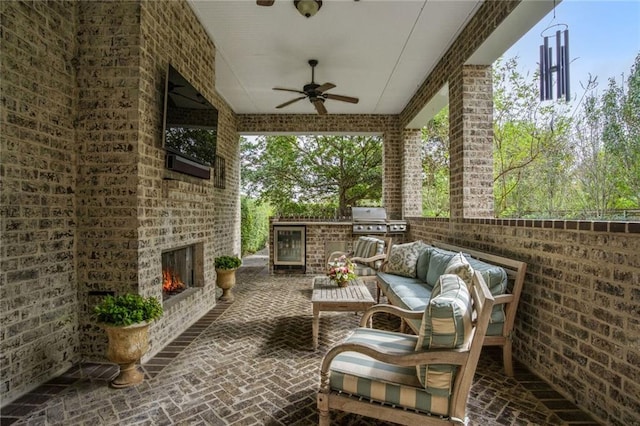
(190, 127)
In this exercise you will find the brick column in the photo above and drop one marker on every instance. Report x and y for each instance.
(471, 142)
(412, 173)
(392, 171)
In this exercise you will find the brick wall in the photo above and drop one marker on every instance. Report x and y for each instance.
(154, 209)
(578, 323)
(107, 126)
(412, 173)
(38, 303)
(86, 202)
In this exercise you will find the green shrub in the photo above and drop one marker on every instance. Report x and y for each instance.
(127, 309)
(227, 262)
(254, 225)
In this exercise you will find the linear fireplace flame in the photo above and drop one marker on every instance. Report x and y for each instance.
(177, 271)
(171, 282)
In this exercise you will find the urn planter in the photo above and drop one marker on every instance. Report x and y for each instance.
(226, 281)
(226, 267)
(126, 319)
(126, 346)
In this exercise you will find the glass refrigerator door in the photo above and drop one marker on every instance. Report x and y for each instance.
(289, 244)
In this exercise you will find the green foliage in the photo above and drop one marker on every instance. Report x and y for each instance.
(254, 224)
(550, 162)
(620, 109)
(530, 144)
(198, 143)
(127, 309)
(435, 166)
(227, 262)
(291, 172)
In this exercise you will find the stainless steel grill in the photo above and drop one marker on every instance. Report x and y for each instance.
(373, 220)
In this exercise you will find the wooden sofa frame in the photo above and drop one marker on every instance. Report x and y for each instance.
(515, 275)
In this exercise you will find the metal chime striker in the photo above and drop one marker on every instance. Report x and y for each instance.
(561, 67)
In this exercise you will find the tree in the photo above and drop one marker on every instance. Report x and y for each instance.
(531, 150)
(596, 166)
(620, 108)
(435, 166)
(334, 171)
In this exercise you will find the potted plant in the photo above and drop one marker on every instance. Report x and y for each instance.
(226, 267)
(126, 319)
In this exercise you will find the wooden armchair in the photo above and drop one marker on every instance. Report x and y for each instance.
(408, 379)
(368, 255)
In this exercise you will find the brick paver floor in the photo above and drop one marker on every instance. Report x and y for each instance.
(251, 363)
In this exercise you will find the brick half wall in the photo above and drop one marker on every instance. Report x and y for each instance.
(578, 323)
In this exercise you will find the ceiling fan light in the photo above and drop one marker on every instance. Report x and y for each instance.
(308, 8)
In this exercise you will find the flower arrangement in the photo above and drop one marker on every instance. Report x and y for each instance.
(342, 271)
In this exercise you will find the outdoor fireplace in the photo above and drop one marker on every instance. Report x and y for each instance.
(177, 271)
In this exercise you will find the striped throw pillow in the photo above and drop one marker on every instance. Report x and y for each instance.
(446, 323)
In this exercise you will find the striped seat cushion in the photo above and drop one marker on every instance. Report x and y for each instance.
(360, 375)
(363, 270)
(446, 324)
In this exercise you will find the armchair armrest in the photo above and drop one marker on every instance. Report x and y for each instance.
(369, 259)
(503, 299)
(389, 309)
(336, 254)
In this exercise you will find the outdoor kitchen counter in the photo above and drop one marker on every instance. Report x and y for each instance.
(320, 235)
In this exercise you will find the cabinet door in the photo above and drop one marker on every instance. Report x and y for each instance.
(289, 245)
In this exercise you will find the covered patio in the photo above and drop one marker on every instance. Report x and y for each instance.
(89, 206)
(251, 363)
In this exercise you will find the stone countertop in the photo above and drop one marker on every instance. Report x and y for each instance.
(310, 222)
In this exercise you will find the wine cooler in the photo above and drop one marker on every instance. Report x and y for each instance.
(289, 248)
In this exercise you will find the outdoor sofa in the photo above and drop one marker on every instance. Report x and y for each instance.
(412, 270)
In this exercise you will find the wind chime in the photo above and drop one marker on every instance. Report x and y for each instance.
(561, 66)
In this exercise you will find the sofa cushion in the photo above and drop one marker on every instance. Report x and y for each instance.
(438, 261)
(403, 258)
(358, 374)
(459, 265)
(422, 265)
(496, 279)
(446, 322)
(404, 292)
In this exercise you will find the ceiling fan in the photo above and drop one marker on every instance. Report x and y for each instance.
(315, 93)
(307, 8)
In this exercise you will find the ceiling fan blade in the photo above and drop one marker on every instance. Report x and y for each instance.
(265, 2)
(289, 90)
(342, 98)
(290, 102)
(325, 87)
(320, 106)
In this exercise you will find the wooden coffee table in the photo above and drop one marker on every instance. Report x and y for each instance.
(327, 296)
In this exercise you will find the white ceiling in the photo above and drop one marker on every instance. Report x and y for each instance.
(379, 51)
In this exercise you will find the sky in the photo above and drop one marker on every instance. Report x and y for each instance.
(604, 39)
